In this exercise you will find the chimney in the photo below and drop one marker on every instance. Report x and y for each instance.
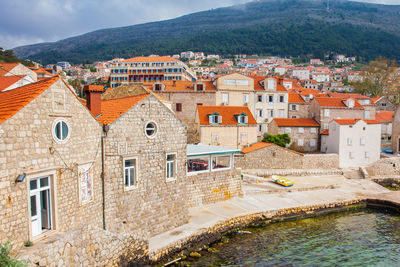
(174, 83)
(36, 65)
(93, 98)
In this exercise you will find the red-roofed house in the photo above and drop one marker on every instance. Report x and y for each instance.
(303, 132)
(382, 103)
(386, 119)
(12, 82)
(357, 142)
(12, 69)
(227, 126)
(325, 109)
(299, 105)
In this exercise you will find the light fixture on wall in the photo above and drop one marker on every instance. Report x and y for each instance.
(20, 178)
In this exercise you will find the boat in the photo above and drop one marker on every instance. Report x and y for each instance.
(283, 181)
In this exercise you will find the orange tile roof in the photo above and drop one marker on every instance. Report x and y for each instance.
(353, 121)
(347, 96)
(227, 112)
(7, 81)
(374, 99)
(384, 116)
(295, 98)
(326, 132)
(182, 85)
(114, 108)
(257, 84)
(7, 67)
(151, 59)
(14, 100)
(334, 102)
(40, 70)
(256, 146)
(296, 122)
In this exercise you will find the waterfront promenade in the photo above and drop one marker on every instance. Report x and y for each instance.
(266, 200)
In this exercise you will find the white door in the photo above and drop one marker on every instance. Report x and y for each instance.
(40, 198)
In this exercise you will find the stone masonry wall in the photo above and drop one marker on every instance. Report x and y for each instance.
(276, 157)
(384, 167)
(155, 205)
(27, 146)
(212, 187)
(88, 246)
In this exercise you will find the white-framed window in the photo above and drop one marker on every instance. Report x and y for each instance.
(170, 166)
(326, 112)
(326, 126)
(260, 113)
(313, 130)
(300, 142)
(366, 154)
(281, 113)
(300, 130)
(85, 183)
(312, 142)
(362, 141)
(151, 129)
(246, 98)
(214, 118)
(225, 98)
(197, 164)
(242, 82)
(242, 119)
(366, 114)
(221, 162)
(229, 82)
(61, 131)
(281, 99)
(294, 107)
(243, 138)
(270, 99)
(259, 98)
(130, 172)
(259, 127)
(349, 141)
(288, 130)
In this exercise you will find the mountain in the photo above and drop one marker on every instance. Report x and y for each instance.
(274, 27)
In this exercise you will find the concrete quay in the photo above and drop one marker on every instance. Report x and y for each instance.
(264, 201)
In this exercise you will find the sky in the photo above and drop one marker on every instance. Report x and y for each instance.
(32, 21)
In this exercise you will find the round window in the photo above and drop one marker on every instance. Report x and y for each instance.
(61, 131)
(151, 129)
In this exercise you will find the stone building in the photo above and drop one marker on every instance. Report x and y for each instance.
(303, 133)
(396, 132)
(325, 109)
(226, 126)
(12, 69)
(385, 118)
(145, 157)
(383, 104)
(50, 163)
(298, 106)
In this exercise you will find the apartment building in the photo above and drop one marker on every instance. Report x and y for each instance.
(304, 133)
(358, 142)
(298, 105)
(226, 126)
(149, 69)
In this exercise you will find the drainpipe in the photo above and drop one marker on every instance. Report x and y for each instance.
(105, 130)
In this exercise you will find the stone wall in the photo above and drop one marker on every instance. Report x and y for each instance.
(27, 146)
(384, 167)
(87, 246)
(212, 187)
(154, 205)
(276, 157)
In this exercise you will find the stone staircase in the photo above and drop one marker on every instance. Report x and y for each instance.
(353, 174)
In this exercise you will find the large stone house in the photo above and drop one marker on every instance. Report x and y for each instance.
(385, 118)
(144, 162)
(298, 106)
(358, 142)
(17, 69)
(226, 126)
(325, 109)
(382, 104)
(304, 133)
(50, 163)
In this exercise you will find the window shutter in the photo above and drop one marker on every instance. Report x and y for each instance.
(219, 119)
(246, 119)
(210, 119)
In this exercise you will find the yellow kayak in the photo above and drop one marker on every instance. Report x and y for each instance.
(283, 181)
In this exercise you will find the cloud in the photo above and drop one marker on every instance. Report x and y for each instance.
(27, 21)
(31, 21)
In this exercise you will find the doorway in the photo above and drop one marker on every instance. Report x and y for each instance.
(40, 198)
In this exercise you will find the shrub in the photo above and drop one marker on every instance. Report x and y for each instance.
(279, 139)
(6, 259)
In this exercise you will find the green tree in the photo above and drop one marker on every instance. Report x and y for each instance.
(6, 259)
(279, 139)
(379, 78)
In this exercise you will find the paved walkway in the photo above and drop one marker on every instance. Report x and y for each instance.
(337, 189)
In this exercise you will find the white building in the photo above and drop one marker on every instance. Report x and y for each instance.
(358, 142)
(320, 77)
(303, 73)
(187, 54)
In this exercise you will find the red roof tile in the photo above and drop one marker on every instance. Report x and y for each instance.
(296, 122)
(256, 146)
(334, 102)
(182, 85)
(326, 132)
(7, 81)
(150, 59)
(14, 100)
(353, 121)
(7, 67)
(347, 96)
(295, 98)
(227, 112)
(384, 116)
(374, 99)
(114, 108)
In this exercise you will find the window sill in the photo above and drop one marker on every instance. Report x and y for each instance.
(168, 180)
(130, 188)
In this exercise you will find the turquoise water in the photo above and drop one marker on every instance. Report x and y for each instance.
(354, 238)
